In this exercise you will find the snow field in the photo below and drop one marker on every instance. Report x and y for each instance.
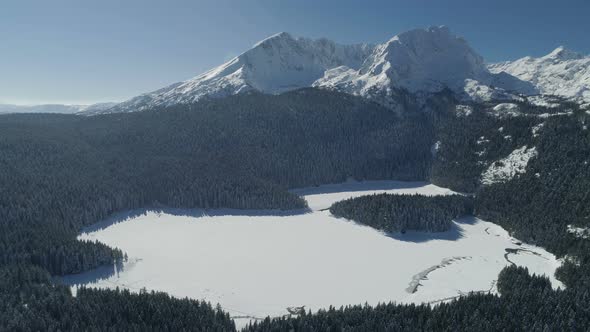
(258, 265)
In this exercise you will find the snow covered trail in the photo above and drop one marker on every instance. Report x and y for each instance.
(259, 264)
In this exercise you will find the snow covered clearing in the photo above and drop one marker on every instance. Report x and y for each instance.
(507, 168)
(463, 110)
(548, 115)
(544, 101)
(261, 263)
(506, 110)
(537, 128)
(579, 232)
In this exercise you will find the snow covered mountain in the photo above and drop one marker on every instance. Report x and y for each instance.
(419, 61)
(424, 61)
(54, 108)
(561, 72)
(277, 64)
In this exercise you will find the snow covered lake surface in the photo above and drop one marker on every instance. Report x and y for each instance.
(259, 263)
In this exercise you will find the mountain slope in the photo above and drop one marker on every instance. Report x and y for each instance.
(277, 64)
(418, 61)
(561, 72)
(424, 60)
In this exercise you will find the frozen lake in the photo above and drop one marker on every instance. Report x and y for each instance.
(260, 263)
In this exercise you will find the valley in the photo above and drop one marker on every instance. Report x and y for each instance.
(259, 263)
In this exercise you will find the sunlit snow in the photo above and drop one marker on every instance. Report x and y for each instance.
(507, 168)
(260, 263)
(561, 72)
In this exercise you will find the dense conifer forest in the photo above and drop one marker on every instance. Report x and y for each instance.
(29, 301)
(401, 213)
(527, 304)
(60, 173)
(538, 205)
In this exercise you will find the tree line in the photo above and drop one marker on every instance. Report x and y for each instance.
(29, 301)
(527, 303)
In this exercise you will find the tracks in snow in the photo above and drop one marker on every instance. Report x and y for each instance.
(423, 275)
(515, 251)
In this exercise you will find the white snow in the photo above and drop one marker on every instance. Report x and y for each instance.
(561, 72)
(507, 168)
(322, 197)
(477, 91)
(544, 101)
(580, 232)
(435, 148)
(274, 65)
(482, 140)
(548, 115)
(463, 110)
(424, 60)
(257, 264)
(537, 128)
(506, 110)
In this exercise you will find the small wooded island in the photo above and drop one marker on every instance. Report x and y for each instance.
(401, 213)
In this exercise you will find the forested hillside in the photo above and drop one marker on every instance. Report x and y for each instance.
(539, 205)
(60, 173)
(536, 205)
(401, 213)
(29, 301)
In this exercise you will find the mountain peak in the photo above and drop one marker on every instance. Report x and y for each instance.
(419, 33)
(420, 60)
(562, 72)
(427, 60)
(273, 38)
(562, 53)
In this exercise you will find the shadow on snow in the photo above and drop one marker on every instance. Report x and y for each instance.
(101, 273)
(453, 234)
(352, 186)
(196, 213)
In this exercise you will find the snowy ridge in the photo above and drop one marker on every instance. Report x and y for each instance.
(420, 61)
(277, 64)
(425, 60)
(506, 110)
(561, 72)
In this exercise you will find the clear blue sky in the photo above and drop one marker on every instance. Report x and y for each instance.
(78, 51)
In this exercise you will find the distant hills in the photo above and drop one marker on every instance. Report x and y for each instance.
(54, 108)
